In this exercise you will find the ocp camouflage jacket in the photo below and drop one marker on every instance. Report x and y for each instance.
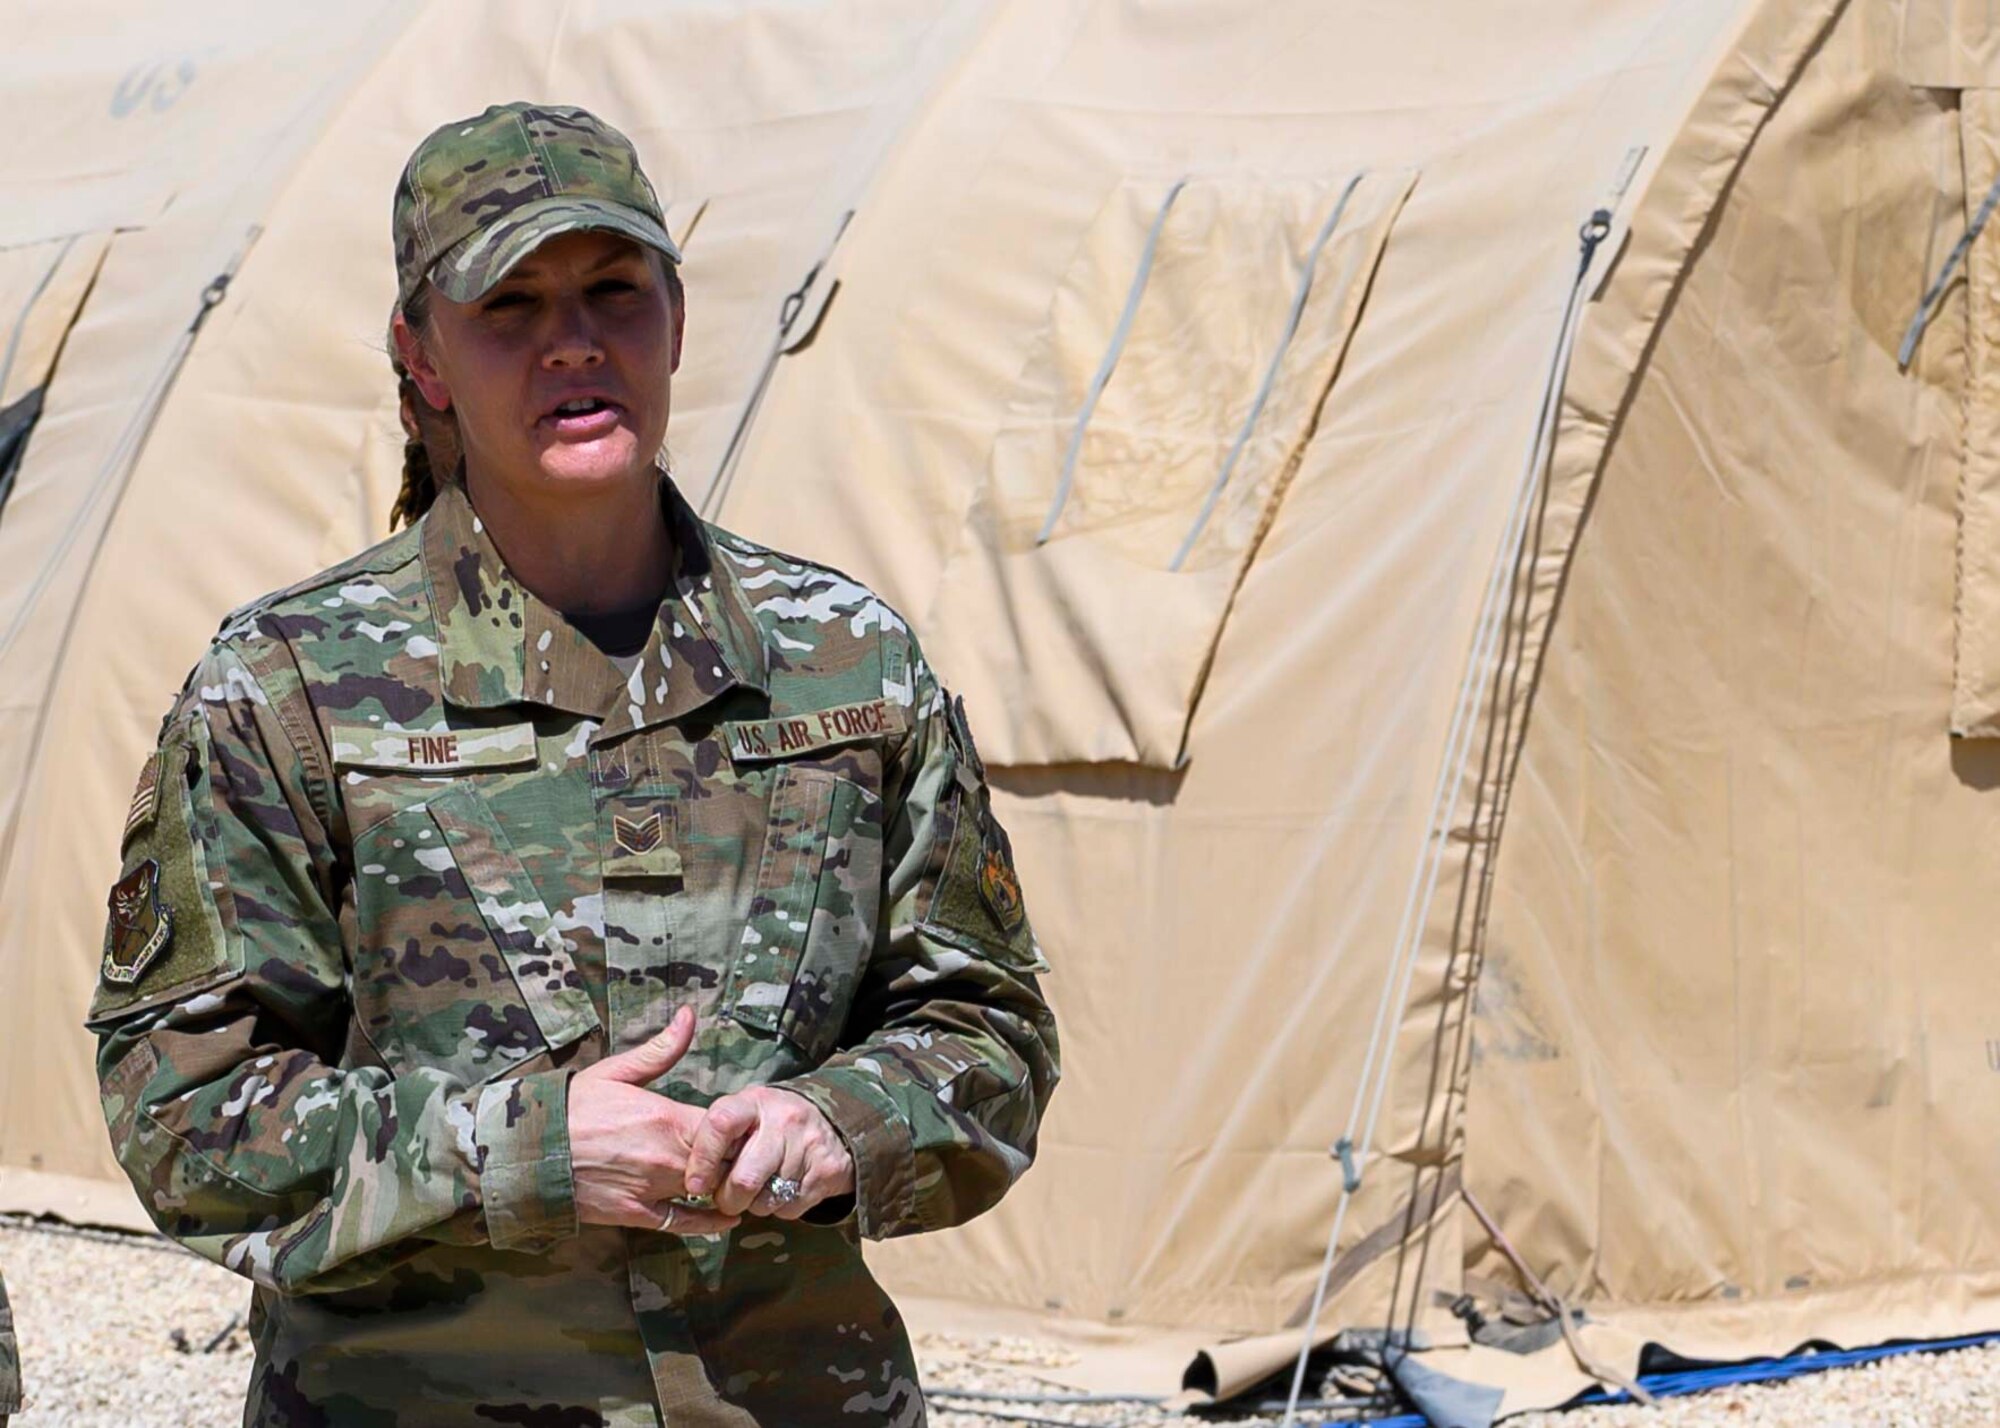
(412, 850)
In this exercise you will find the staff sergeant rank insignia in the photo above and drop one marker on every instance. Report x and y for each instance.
(637, 835)
(141, 925)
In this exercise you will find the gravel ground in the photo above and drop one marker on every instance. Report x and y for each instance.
(116, 1330)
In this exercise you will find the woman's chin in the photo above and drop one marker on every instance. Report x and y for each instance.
(597, 465)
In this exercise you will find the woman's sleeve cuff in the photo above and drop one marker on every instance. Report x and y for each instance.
(877, 1137)
(525, 1184)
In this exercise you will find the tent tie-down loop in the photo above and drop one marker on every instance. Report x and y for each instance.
(1297, 311)
(1350, 1173)
(788, 316)
(1352, 1149)
(1927, 306)
(1553, 1303)
(1109, 363)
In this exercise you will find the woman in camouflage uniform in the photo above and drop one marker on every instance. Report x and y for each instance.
(547, 943)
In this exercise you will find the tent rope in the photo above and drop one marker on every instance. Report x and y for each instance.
(1112, 353)
(1927, 307)
(1352, 1148)
(1270, 373)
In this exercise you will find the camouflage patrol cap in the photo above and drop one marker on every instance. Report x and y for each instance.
(479, 194)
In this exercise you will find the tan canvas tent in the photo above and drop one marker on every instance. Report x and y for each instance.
(1483, 609)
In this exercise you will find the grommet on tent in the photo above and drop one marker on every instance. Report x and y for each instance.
(1594, 231)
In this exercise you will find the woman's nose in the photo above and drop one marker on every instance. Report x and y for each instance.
(573, 338)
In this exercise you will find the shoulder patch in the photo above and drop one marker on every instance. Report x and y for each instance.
(145, 800)
(163, 932)
(975, 900)
(998, 884)
(140, 925)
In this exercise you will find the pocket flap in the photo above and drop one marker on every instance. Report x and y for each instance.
(515, 915)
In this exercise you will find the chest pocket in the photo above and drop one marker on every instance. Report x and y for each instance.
(458, 964)
(813, 910)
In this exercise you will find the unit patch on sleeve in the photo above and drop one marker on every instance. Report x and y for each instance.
(140, 926)
(976, 897)
(998, 884)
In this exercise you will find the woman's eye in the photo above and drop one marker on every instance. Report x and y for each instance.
(612, 287)
(504, 300)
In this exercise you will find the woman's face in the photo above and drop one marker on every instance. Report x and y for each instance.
(560, 376)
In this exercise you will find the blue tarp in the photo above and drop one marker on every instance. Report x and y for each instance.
(1699, 1380)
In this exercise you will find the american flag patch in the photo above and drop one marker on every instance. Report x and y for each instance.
(145, 798)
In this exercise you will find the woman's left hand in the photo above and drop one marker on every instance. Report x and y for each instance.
(780, 1134)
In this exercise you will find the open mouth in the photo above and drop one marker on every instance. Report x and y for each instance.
(583, 415)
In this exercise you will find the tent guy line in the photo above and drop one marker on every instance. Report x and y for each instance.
(1352, 1151)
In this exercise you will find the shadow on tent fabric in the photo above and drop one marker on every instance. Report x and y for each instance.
(16, 421)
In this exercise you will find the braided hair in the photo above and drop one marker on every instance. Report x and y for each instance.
(430, 437)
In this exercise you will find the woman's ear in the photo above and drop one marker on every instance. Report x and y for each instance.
(417, 362)
(676, 312)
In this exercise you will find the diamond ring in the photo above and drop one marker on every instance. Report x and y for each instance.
(782, 1190)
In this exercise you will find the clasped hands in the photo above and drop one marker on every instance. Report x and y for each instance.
(635, 1154)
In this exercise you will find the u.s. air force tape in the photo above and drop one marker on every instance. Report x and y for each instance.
(750, 740)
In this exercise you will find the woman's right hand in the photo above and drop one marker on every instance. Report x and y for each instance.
(628, 1146)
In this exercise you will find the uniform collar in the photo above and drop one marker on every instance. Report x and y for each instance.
(499, 644)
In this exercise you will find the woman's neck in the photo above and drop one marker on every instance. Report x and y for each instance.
(583, 555)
